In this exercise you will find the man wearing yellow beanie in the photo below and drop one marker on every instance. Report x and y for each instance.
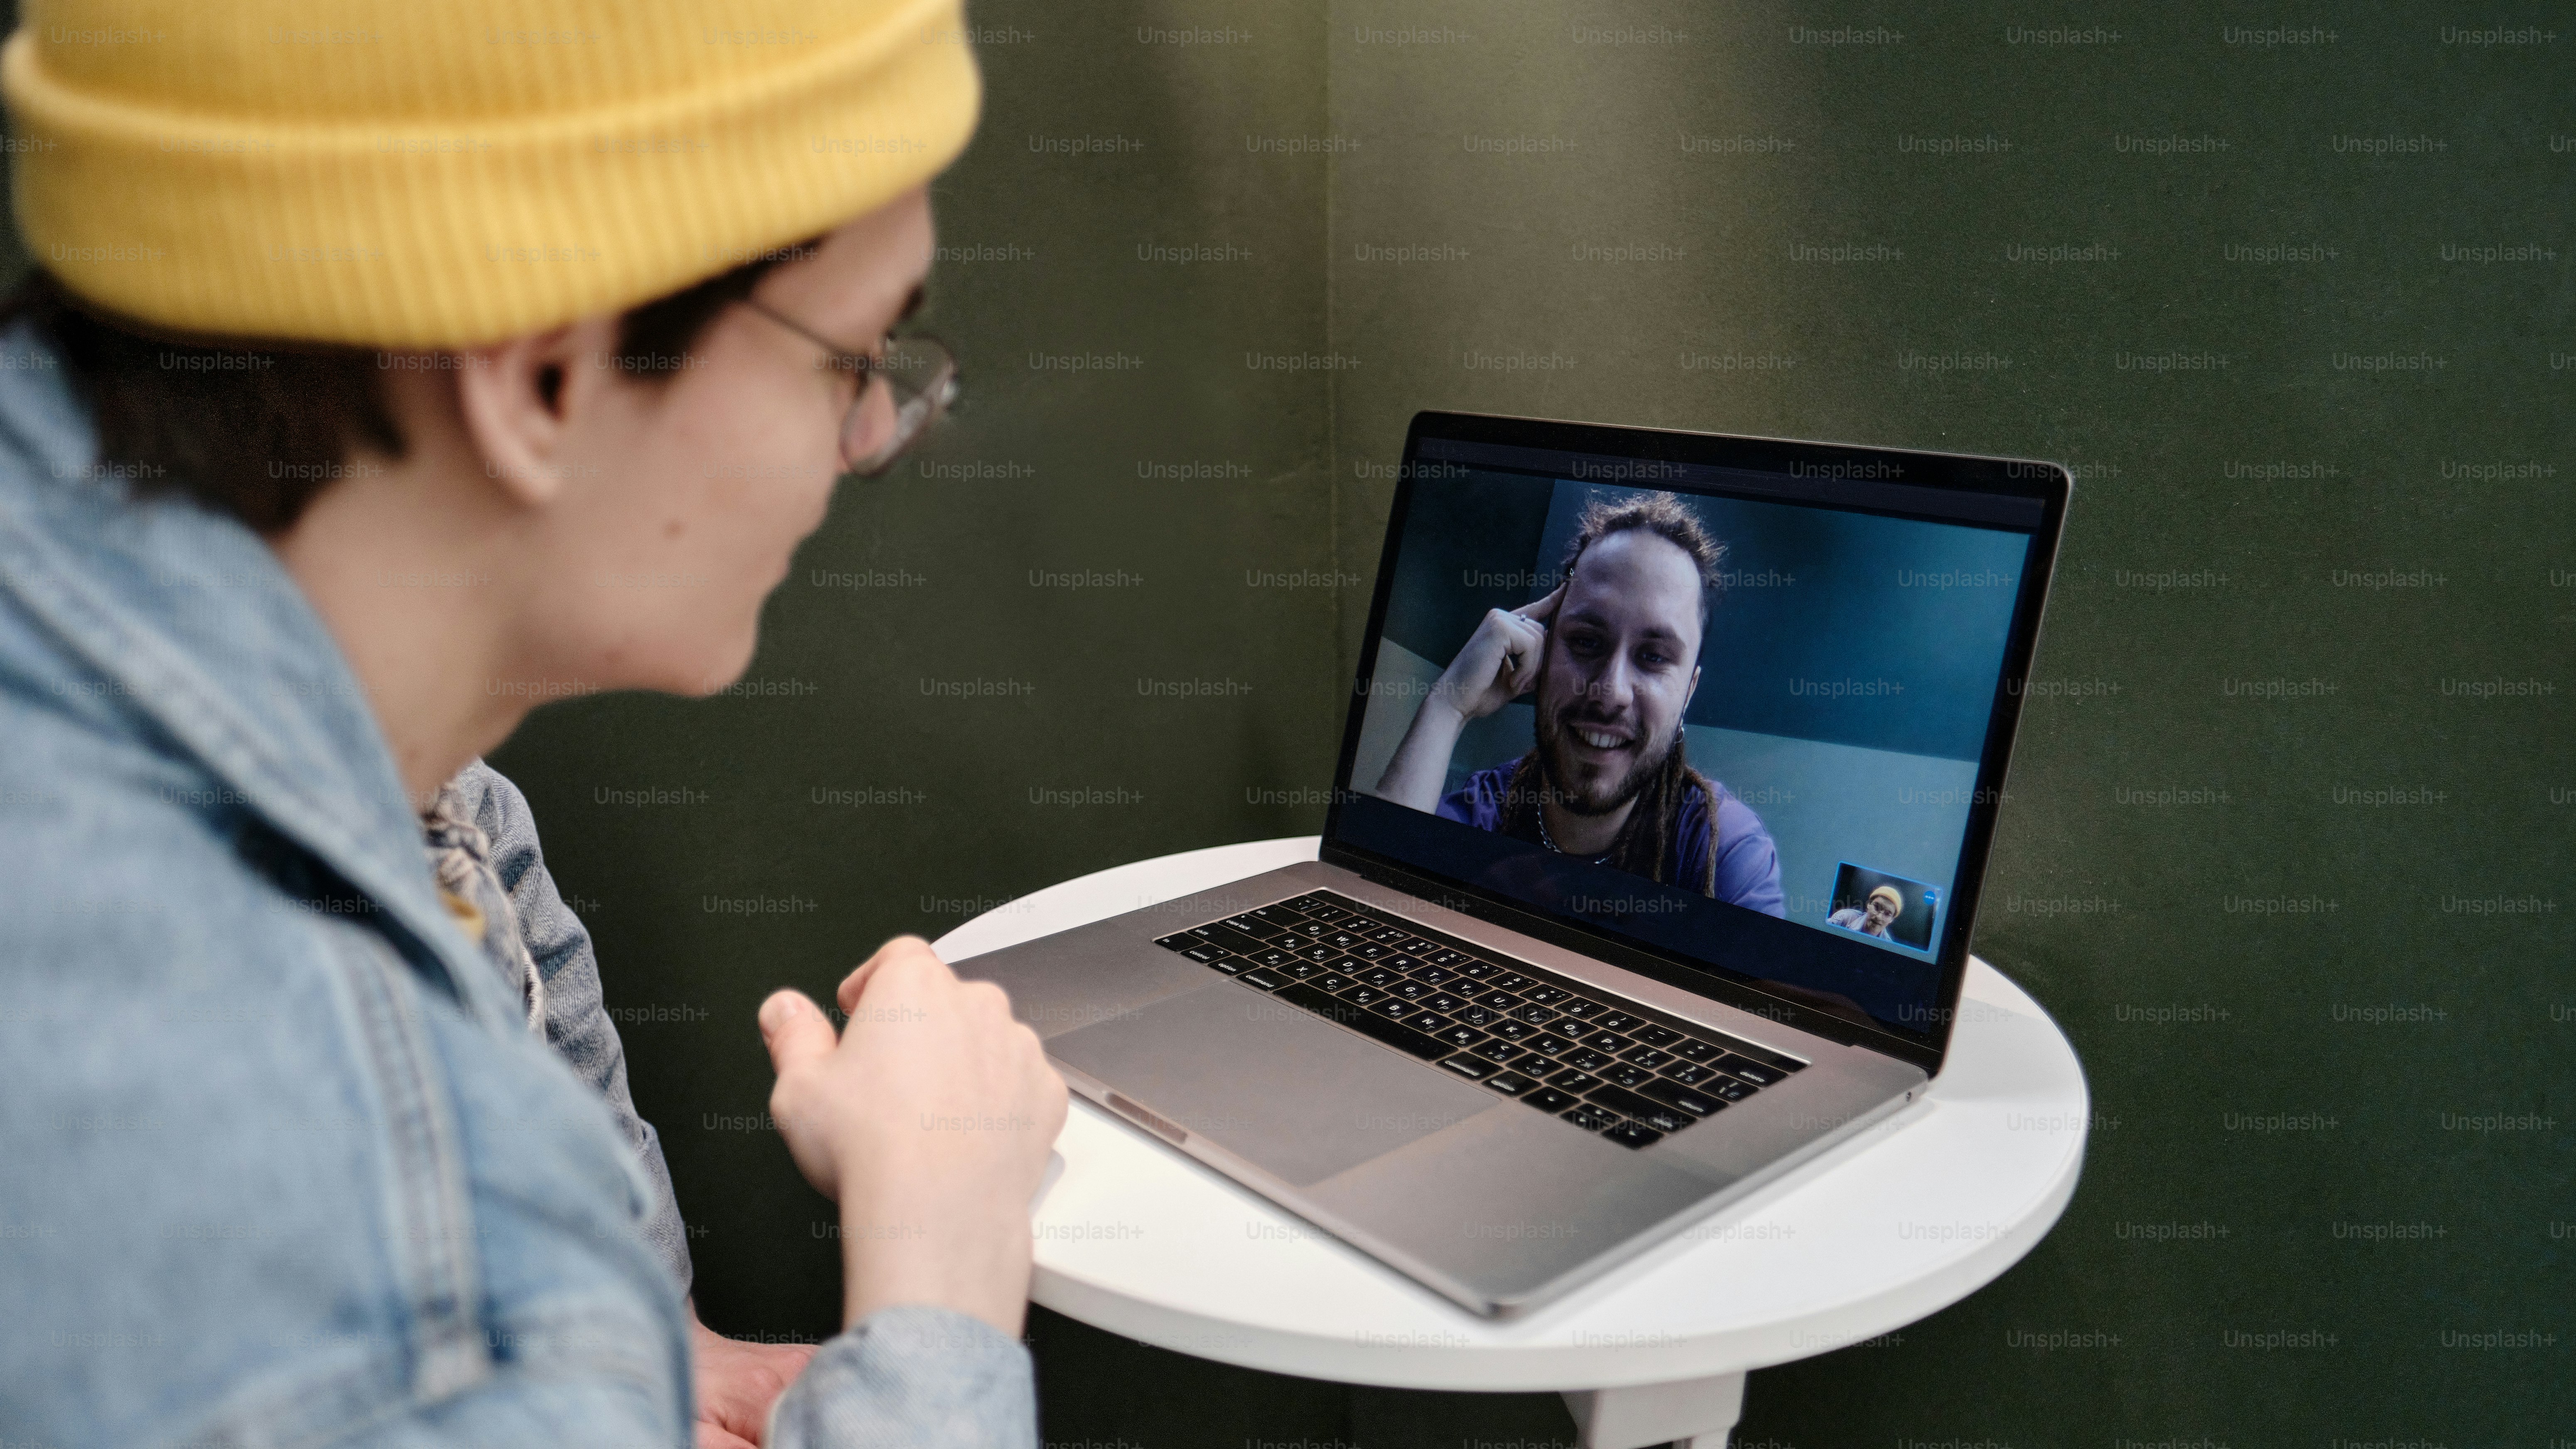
(391, 369)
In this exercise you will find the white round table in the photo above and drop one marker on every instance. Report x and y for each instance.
(1914, 1215)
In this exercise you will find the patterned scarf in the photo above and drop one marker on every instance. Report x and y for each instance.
(460, 857)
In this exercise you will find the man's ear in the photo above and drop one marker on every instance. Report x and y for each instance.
(517, 399)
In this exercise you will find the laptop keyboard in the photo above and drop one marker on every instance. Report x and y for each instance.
(1600, 1062)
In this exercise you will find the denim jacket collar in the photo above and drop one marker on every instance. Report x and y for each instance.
(187, 617)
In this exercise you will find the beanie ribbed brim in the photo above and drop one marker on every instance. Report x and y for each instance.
(452, 232)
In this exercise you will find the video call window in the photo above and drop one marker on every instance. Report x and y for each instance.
(1735, 698)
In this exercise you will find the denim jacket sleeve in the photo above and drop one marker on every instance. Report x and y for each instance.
(578, 1025)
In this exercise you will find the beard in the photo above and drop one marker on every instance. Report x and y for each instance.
(1601, 797)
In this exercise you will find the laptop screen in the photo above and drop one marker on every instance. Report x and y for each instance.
(1741, 703)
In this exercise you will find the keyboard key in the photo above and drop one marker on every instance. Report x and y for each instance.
(1274, 957)
(1408, 988)
(1279, 915)
(1340, 940)
(1378, 976)
(1618, 1021)
(1656, 1036)
(1513, 1030)
(1624, 1075)
(1470, 967)
(1508, 981)
(1689, 1074)
(1535, 1015)
(1303, 970)
(1546, 995)
(1250, 926)
(1573, 1081)
(1550, 1043)
(1510, 1084)
(1266, 980)
(1370, 951)
(1177, 941)
(1628, 1104)
(1394, 1008)
(1539, 1066)
(1498, 1000)
(1581, 1008)
(1475, 1016)
(1235, 965)
(1416, 946)
(1472, 1068)
(1361, 995)
(1442, 1001)
(1497, 1051)
(1692, 1050)
(1220, 934)
(1399, 961)
(1591, 1118)
(1750, 1070)
(1435, 975)
(1608, 1041)
(1318, 953)
(1677, 1095)
(1366, 1023)
(1726, 1088)
(1633, 1134)
(1458, 1036)
(1428, 1022)
(1645, 1056)
(1586, 1058)
(1311, 929)
(1445, 957)
(1549, 1099)
(1332, 981)
(1205, 954)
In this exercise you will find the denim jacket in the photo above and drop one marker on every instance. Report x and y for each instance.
(280, 1163)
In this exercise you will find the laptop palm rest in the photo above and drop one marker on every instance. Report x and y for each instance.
(1285, 1091)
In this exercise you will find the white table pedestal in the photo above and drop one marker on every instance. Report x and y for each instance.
(1697, 1414)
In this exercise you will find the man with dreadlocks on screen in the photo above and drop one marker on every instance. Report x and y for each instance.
(1613, 654)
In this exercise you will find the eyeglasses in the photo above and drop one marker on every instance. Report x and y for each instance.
(903, 389)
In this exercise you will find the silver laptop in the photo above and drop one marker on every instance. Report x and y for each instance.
(1662, 807)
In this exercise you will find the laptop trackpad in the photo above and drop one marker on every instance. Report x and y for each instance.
(1291, 1094)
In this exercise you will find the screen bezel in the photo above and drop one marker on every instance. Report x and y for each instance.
(2048, 483)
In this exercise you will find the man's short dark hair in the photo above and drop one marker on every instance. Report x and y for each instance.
(1661, 514)
(258, 428)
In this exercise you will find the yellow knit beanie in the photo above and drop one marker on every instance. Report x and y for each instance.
(430, 173)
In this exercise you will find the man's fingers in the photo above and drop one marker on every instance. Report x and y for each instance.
(1532, 647)
(795, 1030)
(1543, 609)
(908, 949)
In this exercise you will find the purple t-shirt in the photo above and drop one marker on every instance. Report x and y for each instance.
(1748, 864)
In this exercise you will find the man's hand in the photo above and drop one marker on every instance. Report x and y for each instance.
(1498, 664)
(1500, 661)
(929, 1119)
(737, 1382)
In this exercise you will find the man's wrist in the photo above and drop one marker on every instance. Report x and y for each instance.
(891, 1258)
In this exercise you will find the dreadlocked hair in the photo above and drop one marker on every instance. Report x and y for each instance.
(1661, 514)
(1646, 845)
